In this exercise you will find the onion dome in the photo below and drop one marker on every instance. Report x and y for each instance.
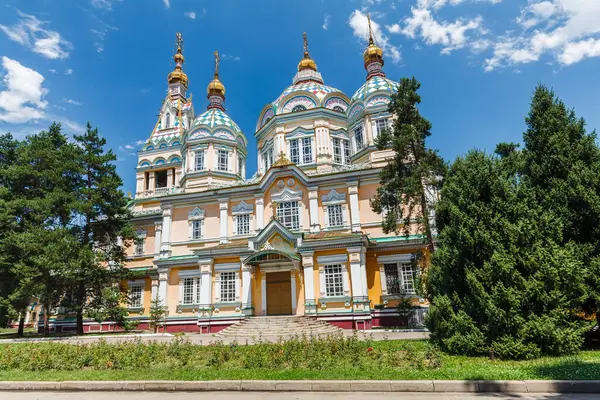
(306, 62)
(177, 75)
(216, 90)
(373, 55)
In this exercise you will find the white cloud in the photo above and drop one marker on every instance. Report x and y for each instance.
(101, 33)
(395, 28)
(130, 147)
(104, 4)
(144, 90)
(23, 99)
(229, 57)
(450, 35)
(359, 24)
(53, 71)
(566, 29)
(167, 3)
(191, 15)
(29, 33)
(68, 71)
(71, 101)
(326, 21)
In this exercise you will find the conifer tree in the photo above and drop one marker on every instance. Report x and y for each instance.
(403, 195)
(102, 218)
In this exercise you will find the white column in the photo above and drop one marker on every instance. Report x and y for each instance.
(157, 238)
(354, 213)
(165, 248)
(357, 288)
(170, 177)
(223, 219)
(263, 293)
(246, 288)
(363, 272)
(309, 278)
(206, 282)
(152, 180)
(313, 199)
(139, 184)
(163, 283)
(154, 291)
(260, 212)
(293, 290)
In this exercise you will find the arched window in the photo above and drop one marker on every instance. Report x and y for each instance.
(299, 107)
(338, 109)
(168, 120)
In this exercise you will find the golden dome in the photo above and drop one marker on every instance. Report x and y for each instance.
(307, 63)
(373, 51)
(215, 87)
(177, 75)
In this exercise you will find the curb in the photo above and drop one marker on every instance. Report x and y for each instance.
(312, 386)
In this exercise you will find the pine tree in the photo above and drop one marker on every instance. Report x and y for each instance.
(403, 195)
(102, 218)
(157, 313)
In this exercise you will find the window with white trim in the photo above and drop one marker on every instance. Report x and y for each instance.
(341, 151)
(199, 160)
(400, 278)
(139, 246)
(301, 151)
(268, 158)
(359, 139)
(135, 296)
(168, 120)
(288, 214)
(191, 290)
(335, 215)
(334, 280)
(228, 285)
(380, 125)
(223, 160)
(197, 229)
(240, 169)
(243, 224)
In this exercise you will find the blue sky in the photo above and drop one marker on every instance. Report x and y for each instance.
(106, 61)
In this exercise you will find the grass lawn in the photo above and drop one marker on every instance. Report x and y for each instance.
(584, 366)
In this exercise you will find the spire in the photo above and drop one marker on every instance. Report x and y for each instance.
(177, 76)
(373, 55)
(306, 62)
(216, 89)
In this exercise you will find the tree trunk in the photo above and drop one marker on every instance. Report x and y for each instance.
(21, 329)
(46, 321)
(81, 301)
(79, 322)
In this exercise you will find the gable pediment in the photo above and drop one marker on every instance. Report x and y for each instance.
(275, 236)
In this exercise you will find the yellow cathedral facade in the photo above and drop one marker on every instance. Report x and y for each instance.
(298, 237)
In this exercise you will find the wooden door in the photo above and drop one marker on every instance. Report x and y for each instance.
(279, 293)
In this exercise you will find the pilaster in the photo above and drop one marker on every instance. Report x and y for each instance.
(246, 289)
(293, 290)
(313, 198)
(157, 238)
(165, 248)
(309, 283)
(354, 211)
(223, 220)
(260, 212)
(206, 286)
(163, 285)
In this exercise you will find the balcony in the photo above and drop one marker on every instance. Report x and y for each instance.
(159, 192)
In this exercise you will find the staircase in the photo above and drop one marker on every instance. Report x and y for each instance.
(276, 327)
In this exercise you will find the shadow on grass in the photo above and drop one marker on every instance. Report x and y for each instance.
(569, 369)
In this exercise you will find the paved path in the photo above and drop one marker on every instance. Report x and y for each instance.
(205, 339)
(282, 396)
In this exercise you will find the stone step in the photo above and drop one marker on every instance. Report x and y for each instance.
(279, 326)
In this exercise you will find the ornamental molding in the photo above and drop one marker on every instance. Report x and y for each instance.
(287, 194)
(196, 214)
(242, 208)
(333, 197)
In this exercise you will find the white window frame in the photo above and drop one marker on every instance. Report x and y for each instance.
(167, 120)
(300, 150)
(140, 243)
(405, 268)
(379, 125)
(335, 213)
(220, 166)
(334, 280)
(196, 229)
(195, 215)
(228, 287)
(199, 154)
(195, 283)
(335, 198)
(240, 167)
(133, 301)
(285, 210)
(355, 132)
(343, 158)
(268, 158)
(243, 221)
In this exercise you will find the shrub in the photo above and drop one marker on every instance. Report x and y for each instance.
(510, 348)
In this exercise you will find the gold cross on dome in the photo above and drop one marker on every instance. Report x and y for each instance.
(371, 39)
(217, 62)
(305, 39)
(179, 40)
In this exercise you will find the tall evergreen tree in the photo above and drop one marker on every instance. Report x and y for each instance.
(561, 163)
(403, 195)
(102, 218)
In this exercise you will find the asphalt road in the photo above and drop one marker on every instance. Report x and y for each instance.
(281, 396)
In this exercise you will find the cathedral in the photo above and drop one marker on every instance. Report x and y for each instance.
(298, 237)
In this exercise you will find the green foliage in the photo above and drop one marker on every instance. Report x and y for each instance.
(414, 171)
(157, 313)
(110, 306)
(516, 257)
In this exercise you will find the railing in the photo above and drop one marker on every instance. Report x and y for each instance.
(160, 191)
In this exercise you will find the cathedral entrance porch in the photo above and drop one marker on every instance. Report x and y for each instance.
(279, 293)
